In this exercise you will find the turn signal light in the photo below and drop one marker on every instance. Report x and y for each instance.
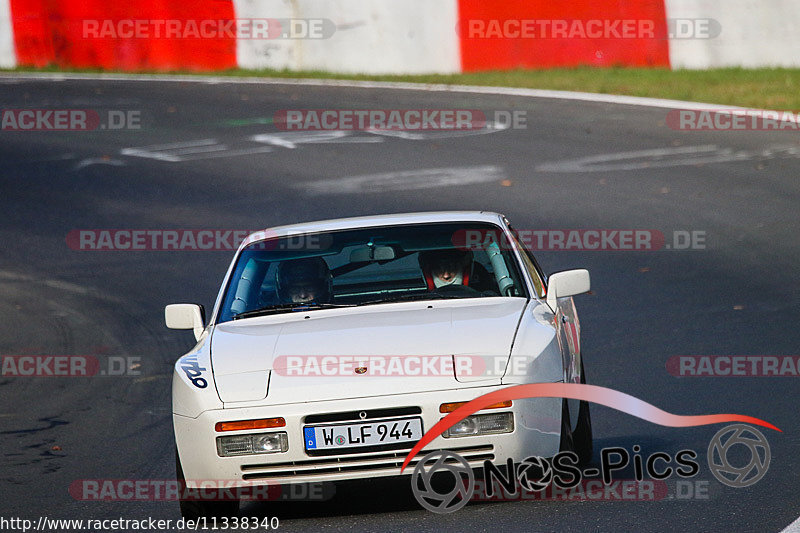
(240, 425)
(450, 407)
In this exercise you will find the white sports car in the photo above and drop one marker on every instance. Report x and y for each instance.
(334, 346)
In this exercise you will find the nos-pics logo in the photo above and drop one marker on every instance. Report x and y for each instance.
(443, 481)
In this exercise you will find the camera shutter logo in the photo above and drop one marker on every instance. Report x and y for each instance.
(741, 435)
(535, 474)
(453, 499)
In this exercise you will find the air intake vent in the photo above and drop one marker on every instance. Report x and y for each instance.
(365, 465)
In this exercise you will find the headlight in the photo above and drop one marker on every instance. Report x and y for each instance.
(252, 444)
(482, 425)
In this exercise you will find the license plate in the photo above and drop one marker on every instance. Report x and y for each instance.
(358, 434)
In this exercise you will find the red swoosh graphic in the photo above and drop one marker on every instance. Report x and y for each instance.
(575, 391)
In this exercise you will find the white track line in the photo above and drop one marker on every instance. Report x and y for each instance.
(794, 527)
(506, 91)
(406, 180)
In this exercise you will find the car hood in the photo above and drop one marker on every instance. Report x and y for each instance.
(397, 348)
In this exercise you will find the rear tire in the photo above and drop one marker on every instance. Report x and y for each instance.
(193, 509)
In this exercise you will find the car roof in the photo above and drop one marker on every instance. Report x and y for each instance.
(376, 220)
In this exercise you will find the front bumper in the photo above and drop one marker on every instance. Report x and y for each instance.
(537, 427)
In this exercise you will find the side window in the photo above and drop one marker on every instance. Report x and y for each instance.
(530, 266)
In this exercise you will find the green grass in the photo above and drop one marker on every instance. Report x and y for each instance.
(774, 88)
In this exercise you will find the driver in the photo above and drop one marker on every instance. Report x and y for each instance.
(307, 280)
(443, 268)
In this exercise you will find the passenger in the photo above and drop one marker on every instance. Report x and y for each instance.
(307, 280)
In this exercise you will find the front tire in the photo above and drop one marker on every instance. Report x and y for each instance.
(582, 436)
(579, 440)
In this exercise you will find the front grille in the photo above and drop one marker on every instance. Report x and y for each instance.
(381, 463)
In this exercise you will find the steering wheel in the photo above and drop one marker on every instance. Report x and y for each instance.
(454, 291)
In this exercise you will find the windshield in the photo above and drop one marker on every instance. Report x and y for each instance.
(369, 266)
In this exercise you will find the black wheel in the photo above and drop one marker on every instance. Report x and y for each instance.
(567, 443)
(196, 508)
(582, 436)
(580, 439)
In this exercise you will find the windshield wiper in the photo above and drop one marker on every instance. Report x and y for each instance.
(407, 298)
(284, 308)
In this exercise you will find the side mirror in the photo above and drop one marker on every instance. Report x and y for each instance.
(185, 316)
(567, 283)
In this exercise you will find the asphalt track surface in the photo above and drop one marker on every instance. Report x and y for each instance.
(738, 296)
